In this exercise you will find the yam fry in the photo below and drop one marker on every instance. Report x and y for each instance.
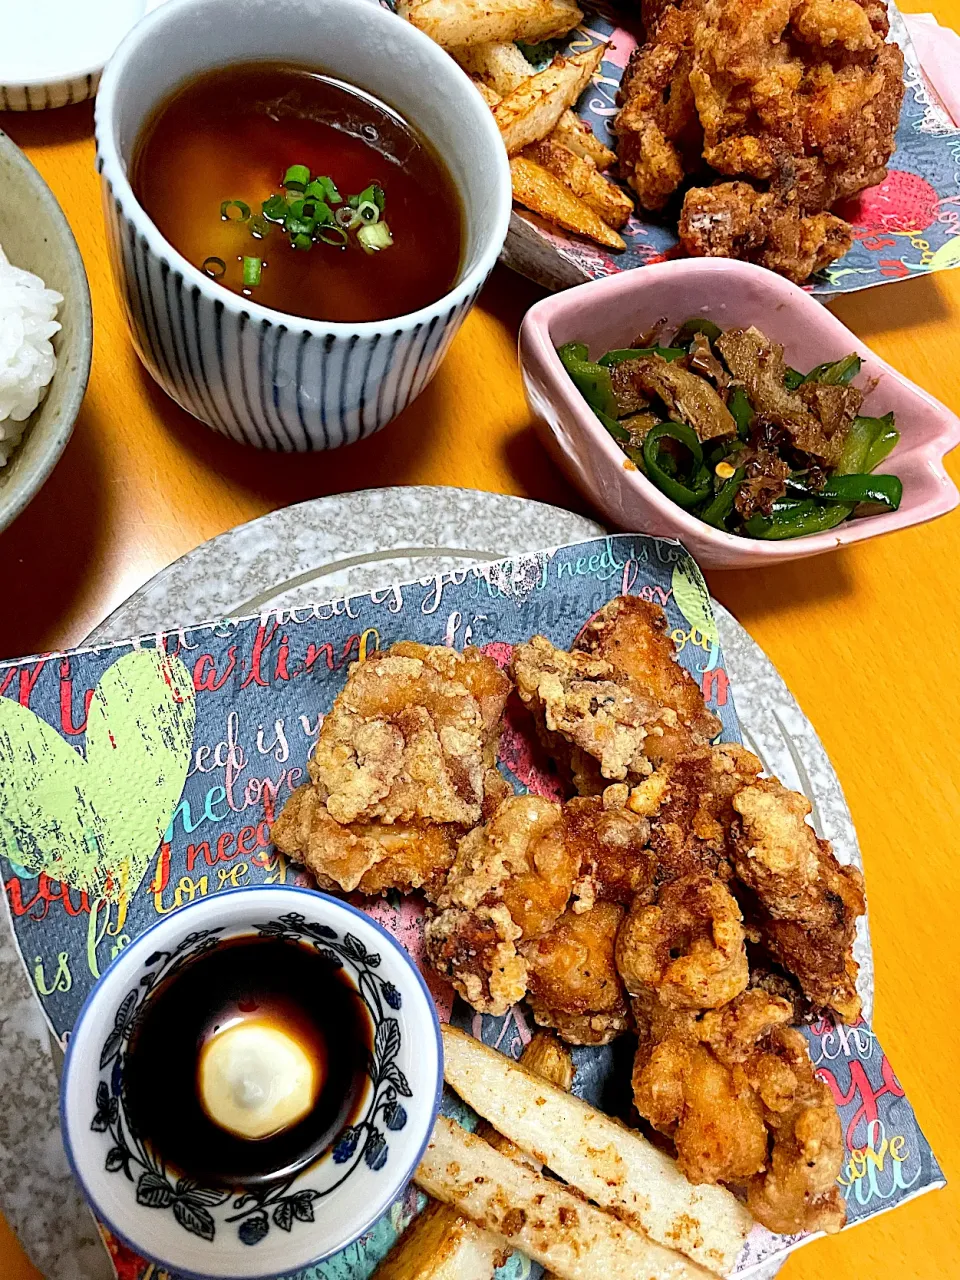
(542, 193)
(462, 23)
(532, 110)
(606, 199)
(539, 1215)
(442, 1244)
(503, 68)
(578, 137)
(611, 1164)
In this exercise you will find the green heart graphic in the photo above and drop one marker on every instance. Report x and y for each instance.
(96, 823)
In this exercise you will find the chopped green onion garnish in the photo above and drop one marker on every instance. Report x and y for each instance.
(259, 226)
(299, 226)
(275, 209)
(252, 268)
(242, 214)
(296, 177)
(322, 188)
(333, 235)
(368, 211)
(302, 241)
(347, 217)
(214, 267)
(375, 237)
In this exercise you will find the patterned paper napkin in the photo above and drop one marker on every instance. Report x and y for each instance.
(140, 776)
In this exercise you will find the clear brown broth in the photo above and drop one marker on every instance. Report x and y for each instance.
(231, 134)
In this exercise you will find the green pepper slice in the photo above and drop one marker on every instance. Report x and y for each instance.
(881, 491)
(716, 511)
(836, 373)
(685, 494)
(620, 434)
(623, 354)
(867, 438)
(741, 411)
(793, 378)
(794, 519)
(591, 381)
(882, 444)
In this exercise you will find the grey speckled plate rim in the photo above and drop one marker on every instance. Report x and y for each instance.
(315, 550)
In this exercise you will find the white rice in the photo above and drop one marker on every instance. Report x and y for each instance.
(27, 361)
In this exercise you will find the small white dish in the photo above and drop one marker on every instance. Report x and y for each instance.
(209, 1233)
(52, 54)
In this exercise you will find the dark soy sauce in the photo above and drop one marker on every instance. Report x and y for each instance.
(283, 985)
(231, 134)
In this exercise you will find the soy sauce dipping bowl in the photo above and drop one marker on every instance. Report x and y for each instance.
(257, 375)
(202, 1231)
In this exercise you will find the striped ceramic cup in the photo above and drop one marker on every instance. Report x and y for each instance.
(254, 374)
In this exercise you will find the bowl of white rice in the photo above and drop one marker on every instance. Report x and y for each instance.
(46, 331)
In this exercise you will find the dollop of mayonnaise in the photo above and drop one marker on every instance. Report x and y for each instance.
(255, 1080)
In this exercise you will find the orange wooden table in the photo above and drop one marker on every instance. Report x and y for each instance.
(867, 639)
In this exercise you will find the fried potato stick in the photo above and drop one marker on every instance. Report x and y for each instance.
(543, 1218)
(611, 1164)
(455, 23)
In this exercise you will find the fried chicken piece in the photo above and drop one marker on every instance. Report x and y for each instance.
(737, 1092)
(688, 803)
(798, 1190)
(611, 845)
(734, 220)
(633, 635)
(476, 950)
(412, 736)
(835, 25)
(688, 948)
(709, 1110)
(589, 716)
(807, 902)
(572, 976)
(371, 857)
(597, 723)
(659, 132)
(520, 858)
(509, 883)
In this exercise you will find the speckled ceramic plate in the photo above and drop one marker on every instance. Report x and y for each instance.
(320, 549)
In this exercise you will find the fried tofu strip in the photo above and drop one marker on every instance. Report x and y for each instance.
(456, 23)
(532, 110)
(540, 1216)
(542, 193)
(614, 1166)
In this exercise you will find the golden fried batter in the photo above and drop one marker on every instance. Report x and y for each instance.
(688, 949)
(596, 721)
(633, 635)
(688, 805)
(808, 903)
(510, 882)
(734, 220)
(411, 737)
(659, 132)
(519, 858)
(611, 847)
(572, 977)
(371, 857)
(476, 949)
(737, 1091)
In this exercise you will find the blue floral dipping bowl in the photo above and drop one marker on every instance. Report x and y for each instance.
(279, 1224)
